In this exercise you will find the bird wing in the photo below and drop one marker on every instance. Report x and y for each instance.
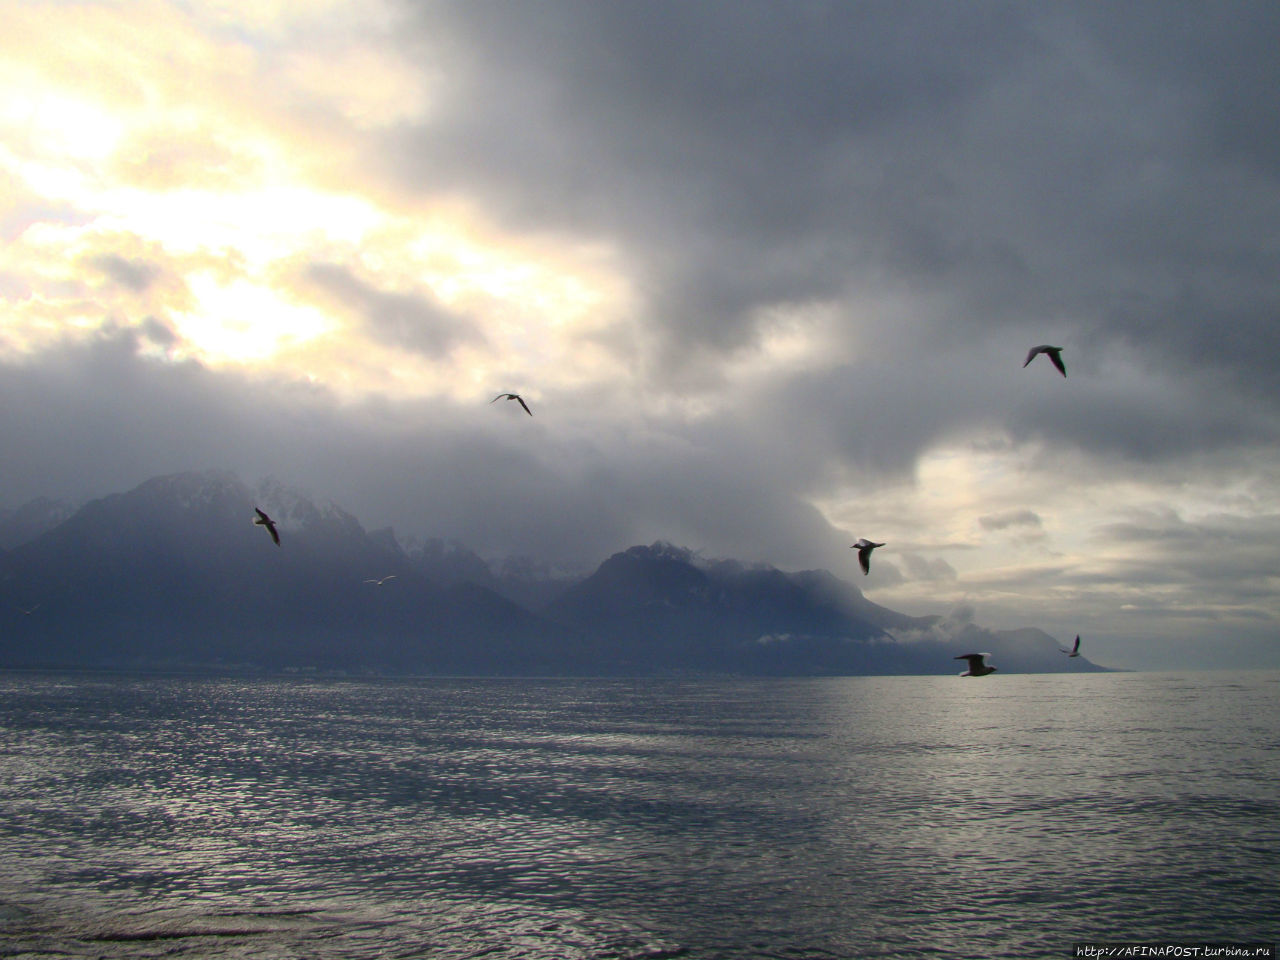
(1056, 357)
(1075, 647)
(864, 559)
(1031, 355)
(275, 535)
(525, 405)
(263, 517)
(501, 396)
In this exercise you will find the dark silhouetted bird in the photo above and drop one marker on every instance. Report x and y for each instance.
(1053, 353)
(1075, 648)
(263, 520)
(513, 396)
(864, 548)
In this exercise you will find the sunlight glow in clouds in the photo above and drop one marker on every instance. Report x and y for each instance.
(59, 129)
(1119, 555)
(243, 321)
(232, 198)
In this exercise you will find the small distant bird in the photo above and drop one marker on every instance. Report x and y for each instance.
(977, 668)
(389, 576)
(27, 611)
(1053, 353)
(513, 396)
(263, 520)
(864, 548)
(1075, 648)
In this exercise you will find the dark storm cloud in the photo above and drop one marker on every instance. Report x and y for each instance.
(740, 151)
(1104, 175)
(1221, 56)
(415, 321)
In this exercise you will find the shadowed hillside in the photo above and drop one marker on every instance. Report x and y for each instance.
(173, 574)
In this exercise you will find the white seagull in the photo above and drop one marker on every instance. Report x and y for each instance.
(977, 668)
(389, 576)
(864, 548)
(1053, 353)
(263, 520)
(1075, 648)
(513, 396)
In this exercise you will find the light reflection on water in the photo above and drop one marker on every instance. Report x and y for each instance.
(858, 817)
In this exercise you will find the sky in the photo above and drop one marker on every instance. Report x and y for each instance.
(765, 273)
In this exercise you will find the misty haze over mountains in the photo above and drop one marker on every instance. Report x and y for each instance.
(173, 575)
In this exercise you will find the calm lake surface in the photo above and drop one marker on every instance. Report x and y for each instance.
(1002, 817)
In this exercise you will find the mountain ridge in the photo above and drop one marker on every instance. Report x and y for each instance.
(174, 574)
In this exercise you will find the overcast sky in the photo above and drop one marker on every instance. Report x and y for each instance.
(766, 274)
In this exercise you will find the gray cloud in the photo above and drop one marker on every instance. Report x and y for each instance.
(503, 486)
(1015, 170)
(130, 272)
(158, 333)
(416, 321)
(1009, 518)
(729, 148)
(923, 568)
(1224, 559)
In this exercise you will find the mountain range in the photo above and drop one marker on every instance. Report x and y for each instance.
(173, 575)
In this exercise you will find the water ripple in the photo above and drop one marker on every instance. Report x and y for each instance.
(871, 817)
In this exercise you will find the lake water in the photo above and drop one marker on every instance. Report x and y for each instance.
(1002, 817)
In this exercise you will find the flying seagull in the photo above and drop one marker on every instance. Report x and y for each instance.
(864, 548)
(513, 396)
(389, 576)
(263, 520)
(977, 668)
(1075, 648)
(1053, 353)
